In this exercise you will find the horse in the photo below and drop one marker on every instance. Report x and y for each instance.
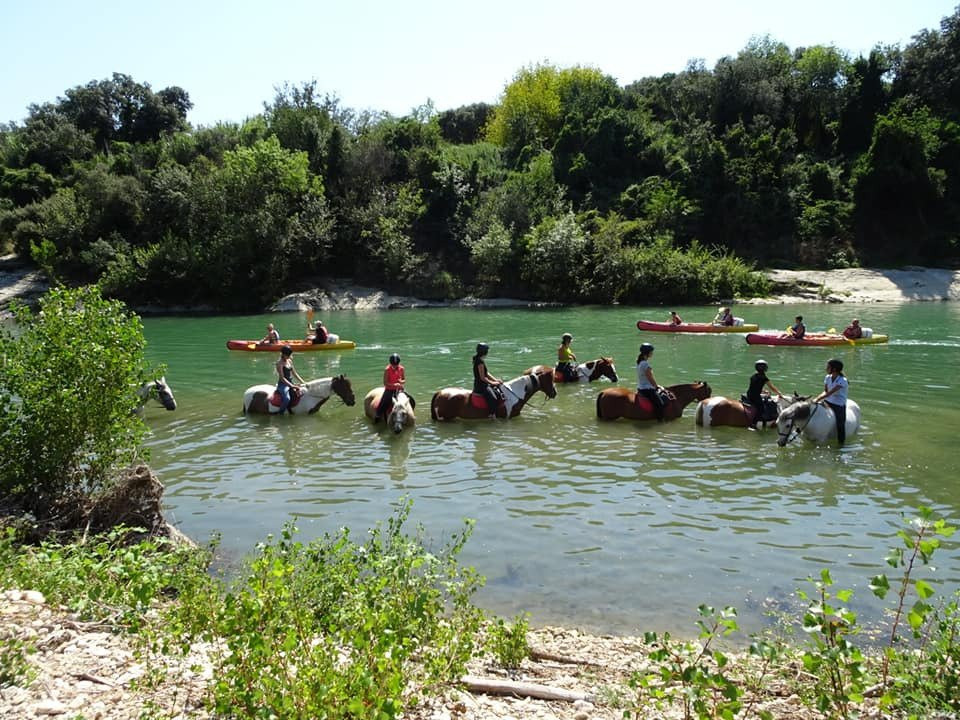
(718, 410)
(618, 402)
(450, 403)
(399, 416)
(157, 390)
(587, 372)
(816, 421)
(261, 398)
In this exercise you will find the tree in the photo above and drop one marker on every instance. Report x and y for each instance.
(68, 390)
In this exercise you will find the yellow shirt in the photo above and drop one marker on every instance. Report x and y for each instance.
(565, 354)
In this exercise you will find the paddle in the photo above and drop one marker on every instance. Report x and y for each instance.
(833, 331)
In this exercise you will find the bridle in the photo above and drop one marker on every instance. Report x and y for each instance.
(789, 439)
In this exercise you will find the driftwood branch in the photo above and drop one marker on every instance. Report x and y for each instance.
(519, 689)
(565, 659)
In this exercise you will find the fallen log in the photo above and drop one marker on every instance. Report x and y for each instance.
(519, 689)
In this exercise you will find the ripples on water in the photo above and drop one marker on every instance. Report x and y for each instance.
(615, 526)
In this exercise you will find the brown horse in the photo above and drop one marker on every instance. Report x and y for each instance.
(723, 411)
(588, 371)
(619, 402)
(451, 403)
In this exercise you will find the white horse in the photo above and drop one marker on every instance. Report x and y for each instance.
(815, 421)
(156, 390)
(401, 412)
(259, 398)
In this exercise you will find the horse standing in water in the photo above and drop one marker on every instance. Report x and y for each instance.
(815, 421)
(264, 399)
(718, 410)
(399, 416)
(618, 402)
(157, 390)
(587, 372)
(451, 403)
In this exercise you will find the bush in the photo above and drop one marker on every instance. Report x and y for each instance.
(68, 391)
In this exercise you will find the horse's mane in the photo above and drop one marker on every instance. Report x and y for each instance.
(799, 410)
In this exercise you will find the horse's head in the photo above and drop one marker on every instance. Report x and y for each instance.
(341, 386)
(401, 414)
(544, 377)
(606, 368)
(701, 390)
(164, 393)
(798, 410)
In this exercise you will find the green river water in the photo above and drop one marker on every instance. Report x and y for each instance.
(611, 526)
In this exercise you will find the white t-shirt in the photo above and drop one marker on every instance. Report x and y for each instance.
(643, 382)
(840, 396)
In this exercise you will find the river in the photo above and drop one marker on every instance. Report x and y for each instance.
(610, 526)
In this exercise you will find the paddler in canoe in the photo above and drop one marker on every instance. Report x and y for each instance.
(675, 319)
(853, 331)
(724, 317)
(271, 338)
(797, 330)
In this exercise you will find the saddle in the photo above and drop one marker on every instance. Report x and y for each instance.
(644, 404)
(479, 401)
(767, 412)
(295, 395)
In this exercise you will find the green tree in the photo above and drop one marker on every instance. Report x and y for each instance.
(68, 389)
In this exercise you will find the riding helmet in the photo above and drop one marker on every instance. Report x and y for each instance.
(286, 350)
(646, 348)
(482, 348)
(761, 365)
(835, 363)
(394, 359)
(567, 336)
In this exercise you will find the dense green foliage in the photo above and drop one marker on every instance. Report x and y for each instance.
(803, 156)
(68, 391)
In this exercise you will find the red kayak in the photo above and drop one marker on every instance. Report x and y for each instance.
(812, 340)
(652, 326)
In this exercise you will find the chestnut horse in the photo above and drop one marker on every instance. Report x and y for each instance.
(451, 403)
(588, 371)
(718, 410)
(619, 402)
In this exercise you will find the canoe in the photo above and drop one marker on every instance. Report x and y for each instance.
(812, 340)
(297, 345)
(695, 327)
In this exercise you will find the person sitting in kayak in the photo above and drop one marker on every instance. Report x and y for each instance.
(483, 382)
(646, 384)
(394, 378)
(272, 336)
(724, 317)
(755, 394)
(566, 359)
(675, 319)
(319, 336)
(797, 330)
(853, 331)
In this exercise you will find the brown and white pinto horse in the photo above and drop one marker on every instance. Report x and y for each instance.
(619, 402)
(719, 410)
(451, 403)
(588, 371)
(399, 416)
(260, 398)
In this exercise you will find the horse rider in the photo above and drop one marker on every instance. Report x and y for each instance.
(754, 396)
(835, 387)
(566, 358)
(483, 382)
(394, 378)
(646, 384)
(272, 335)
(285, 374)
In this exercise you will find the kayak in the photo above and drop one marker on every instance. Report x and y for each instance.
(297, 345)
(694, 327)
(812, 340)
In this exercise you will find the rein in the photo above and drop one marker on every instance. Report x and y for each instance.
(816, 406)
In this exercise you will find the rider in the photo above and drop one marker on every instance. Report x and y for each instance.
(272, 335)
(853, 331)
(319, 333)
(394, 378)
(675, 319)
(285, 374)
(723, 317)
(835, 386)
(566, 358)
(758, 381)
(646, 384)
(483, 381)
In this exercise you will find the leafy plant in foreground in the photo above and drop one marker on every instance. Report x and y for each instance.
(509, 642)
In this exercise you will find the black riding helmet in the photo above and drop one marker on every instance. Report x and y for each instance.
(835, 363)
(394, 359)
(761, 365)
(646, 348)
(286, 350)
(482, 348)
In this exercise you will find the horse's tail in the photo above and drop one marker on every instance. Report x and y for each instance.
(433, 406)
(599, 414)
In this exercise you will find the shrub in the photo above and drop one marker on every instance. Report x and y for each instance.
(508, 643)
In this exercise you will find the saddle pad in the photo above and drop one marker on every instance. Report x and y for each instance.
(478, 401)
(276, 400)
(643, 403)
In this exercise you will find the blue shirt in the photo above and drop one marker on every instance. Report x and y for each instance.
(840, 396)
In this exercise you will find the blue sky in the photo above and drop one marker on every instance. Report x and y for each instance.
(394, 56)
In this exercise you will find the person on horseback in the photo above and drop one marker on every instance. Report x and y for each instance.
(835, 386)
(566, 358)
(394, 378)
(285, 374)
(755, 395)
(272, 335)
(483, 382)
(646, 384)
(675, 319)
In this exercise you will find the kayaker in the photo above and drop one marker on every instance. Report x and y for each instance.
(797, 330)
(646, 384)
(853, 331)
(675, 319)
(724, 317)
(285, 374)
(394, 378)
(483, 382)
(566, 358)
(272, 336)
(835, 388)
(319, 336)
(755, 394)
